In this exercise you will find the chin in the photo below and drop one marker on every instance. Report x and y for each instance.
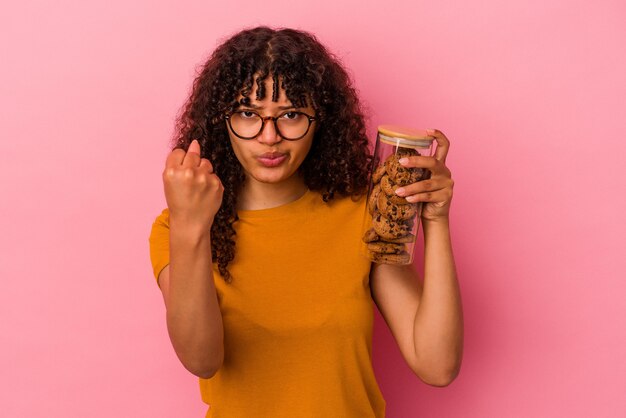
(262, 176)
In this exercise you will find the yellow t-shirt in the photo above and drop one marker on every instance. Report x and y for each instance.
(297, 316)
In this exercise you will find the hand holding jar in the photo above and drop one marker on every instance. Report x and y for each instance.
(436, 191)
(407, 184)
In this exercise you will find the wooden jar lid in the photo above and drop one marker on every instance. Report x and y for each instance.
(405, 137)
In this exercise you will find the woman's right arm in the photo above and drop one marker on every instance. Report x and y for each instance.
(194, 320)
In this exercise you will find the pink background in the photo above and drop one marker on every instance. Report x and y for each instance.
(532, 95)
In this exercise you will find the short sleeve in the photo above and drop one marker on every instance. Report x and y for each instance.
(367, 218)
(160, 243)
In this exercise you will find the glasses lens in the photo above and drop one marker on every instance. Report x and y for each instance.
(246, 124)
(292, 125)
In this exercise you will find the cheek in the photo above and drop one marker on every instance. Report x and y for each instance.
(238, 150)
(304, 151)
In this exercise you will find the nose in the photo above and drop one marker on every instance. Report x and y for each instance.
(269, 135)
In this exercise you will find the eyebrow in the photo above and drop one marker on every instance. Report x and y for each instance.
(253, 106)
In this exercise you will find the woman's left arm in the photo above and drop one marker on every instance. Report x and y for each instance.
(426, 320)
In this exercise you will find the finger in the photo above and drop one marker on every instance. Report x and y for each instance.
(175, 158)
(442, 195)
(206, 164)
(192, 158)
(434, 167)
(419, 161)
(443, 144)
(430, 185)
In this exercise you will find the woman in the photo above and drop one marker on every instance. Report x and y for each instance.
(268, 297)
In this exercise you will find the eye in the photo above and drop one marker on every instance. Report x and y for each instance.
(246, 114)
(291, 115)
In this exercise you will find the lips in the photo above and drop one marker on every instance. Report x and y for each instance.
(272, 159)
(272, 155)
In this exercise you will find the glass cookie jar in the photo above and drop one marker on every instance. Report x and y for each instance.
(392, 223)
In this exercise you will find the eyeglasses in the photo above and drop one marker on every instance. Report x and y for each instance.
(290, 125)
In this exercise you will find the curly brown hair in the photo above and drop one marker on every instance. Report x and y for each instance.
(339, 160)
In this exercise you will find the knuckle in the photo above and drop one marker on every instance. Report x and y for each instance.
(175, 155)
(169, 173)
(214, 181)
(202, 180)
(178, 151)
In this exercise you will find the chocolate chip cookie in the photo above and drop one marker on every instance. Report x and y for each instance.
(402, 258)
(399, 174)
(378, 173)
(381, 247)
(389, 229)
(388, 186)
(371, 203)
(393, 211)
(370, 236)
(403, 240)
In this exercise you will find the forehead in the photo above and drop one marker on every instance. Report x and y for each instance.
(268, 90)
(268, 93)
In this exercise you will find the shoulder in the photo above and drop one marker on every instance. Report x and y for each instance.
(159, 243)
(163, 218)
(159, 232)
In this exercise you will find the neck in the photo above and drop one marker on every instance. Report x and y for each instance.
(255, 195)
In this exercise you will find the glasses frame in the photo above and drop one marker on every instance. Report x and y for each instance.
(311, 119)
